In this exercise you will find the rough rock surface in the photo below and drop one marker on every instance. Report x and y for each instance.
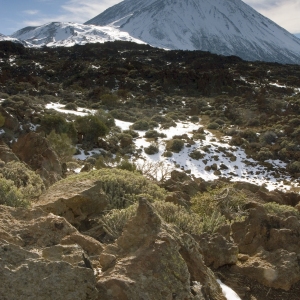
(277, 269)
(217, 250)
(151, 260)
(10, 122)
(269, 248)
(75, 202)
(41, 257)
(35, 150)
(6, 154)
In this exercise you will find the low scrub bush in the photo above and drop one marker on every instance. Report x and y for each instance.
(71, 106)
(10, 195)
(154, 134)
(62, 145)
(224, 199)
(91, 128)
(140, 125)
(133, 133)
(213, 125)
(27, 182)
(196, 154)
(280, 209)
(268, 137)
(177, 215)
(122, 187)
(264, 154)
(151, 149)
(294, 167)
(175, 145)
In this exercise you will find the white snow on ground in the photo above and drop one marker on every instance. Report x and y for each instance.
(78, 112)
(84, 156)
(217, 152)
(228, 292)
(242, 169)
(2, 131)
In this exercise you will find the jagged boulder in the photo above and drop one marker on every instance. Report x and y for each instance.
(6, 154)
(10, 122)
(35, 150)
(269, 247)
(74, 200)
(153, 260)
(25, 275)
(42, 256)
(217, 250)
(278, 269)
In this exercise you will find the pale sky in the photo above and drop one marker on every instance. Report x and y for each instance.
(16, 14)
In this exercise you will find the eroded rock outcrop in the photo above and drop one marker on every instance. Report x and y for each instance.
(6, 154)
(217, 250)
(269, 248)
(42, 257)
(74, 201)
(34, 150)
(152, 260)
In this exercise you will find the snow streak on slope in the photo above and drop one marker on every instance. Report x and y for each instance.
(7, 38)
(68, 34)
(228, 27)
(216, 153)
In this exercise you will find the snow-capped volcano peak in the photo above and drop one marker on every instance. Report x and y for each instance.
(228, 27)
(68, 34)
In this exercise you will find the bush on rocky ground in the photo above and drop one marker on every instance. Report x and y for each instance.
(23, 180)
(62, 145)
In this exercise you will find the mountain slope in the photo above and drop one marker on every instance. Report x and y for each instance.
(68, 34)
(7, 38)
(224, 27)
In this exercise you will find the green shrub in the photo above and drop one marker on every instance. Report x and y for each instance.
(62, 145)
(264, 154)
(28, 183)
(151, 149)
(154, 134)
(10, 195)
(116, 219)
(249, 135)
(58, 123)
(167, 154)
(175, 145)
(224, 199)
(105, 117)
(268, 137)
(196, 154)
(219, 121)
(122, 187)
(125, 164)
(133, 133)
(153, 124)
(280, 209)
(199, 136)
(140, 125)
(194, 119)
(159, 118)
(91, 128)
(294, 167)
(125, 140)
(213, 125)
(177, 215)
(71, 106)
(123, 115)
(109, 100)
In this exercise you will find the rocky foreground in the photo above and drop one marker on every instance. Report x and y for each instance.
(56, 250)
